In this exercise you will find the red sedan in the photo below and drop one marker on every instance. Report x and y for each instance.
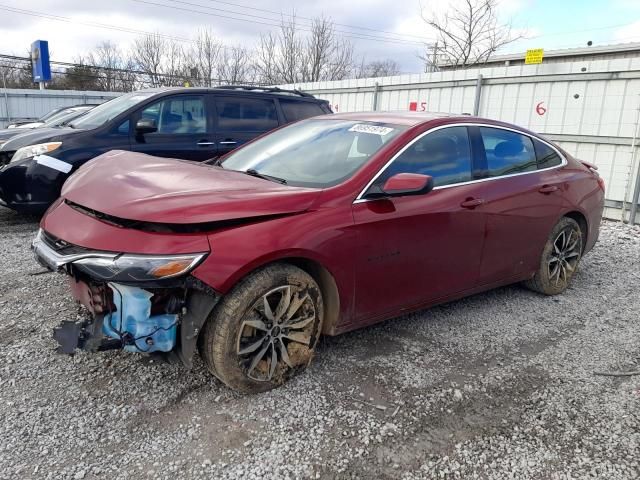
(321, 227)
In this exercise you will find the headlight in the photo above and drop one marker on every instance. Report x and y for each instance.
(33, 150)
(138, 268)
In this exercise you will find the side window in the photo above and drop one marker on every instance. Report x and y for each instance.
(547, 156)
(507, 152)
(237, 114)
(297, 110)
(444, 154)
(175, 115)
(123, 129)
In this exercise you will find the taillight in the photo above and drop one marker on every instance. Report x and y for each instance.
(600, 182)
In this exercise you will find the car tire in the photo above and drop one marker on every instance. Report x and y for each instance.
(560, 258)
(265, 330)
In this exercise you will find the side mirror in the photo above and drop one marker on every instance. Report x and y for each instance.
(402, 184)
(146, 125)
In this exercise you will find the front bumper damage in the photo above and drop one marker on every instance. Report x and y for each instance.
(164, 317)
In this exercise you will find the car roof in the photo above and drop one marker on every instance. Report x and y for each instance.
(397, 118)
(239, 90)
(412, 119)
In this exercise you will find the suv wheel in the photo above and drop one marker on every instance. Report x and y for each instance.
(265, 330)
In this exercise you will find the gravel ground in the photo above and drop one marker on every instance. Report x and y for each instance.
(499, 385)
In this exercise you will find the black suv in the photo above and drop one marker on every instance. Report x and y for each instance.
(187, 123)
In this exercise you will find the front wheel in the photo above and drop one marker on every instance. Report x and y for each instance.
(265, 330)
(559, 260)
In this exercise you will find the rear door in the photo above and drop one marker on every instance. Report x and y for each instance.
(240, 119)
(184, 128)
(522, 201)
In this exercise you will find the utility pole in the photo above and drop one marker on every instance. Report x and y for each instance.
(6, 96)
(635, 197)
(435, 58)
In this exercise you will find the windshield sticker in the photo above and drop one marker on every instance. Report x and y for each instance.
(373, 129)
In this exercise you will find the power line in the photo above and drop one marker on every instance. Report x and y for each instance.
(116, 70)
(308, 18)
(342, 34)
(59, 18)
(309, 21)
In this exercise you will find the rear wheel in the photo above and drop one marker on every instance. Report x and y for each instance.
(559, 260)
(265, 330)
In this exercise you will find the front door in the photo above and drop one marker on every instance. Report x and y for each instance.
(417, 249)
(183, 129)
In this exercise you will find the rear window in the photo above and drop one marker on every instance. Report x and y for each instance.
(294, 111)
(547, 156)
(237, 114)
(507, 152)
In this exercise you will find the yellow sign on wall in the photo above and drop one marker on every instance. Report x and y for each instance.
(534, 56)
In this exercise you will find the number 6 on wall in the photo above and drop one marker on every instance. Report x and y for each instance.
(540, 109)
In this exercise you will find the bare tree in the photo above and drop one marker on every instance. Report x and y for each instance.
(378, 68)
(148, 53)
(204, 57)
(15, 74)
(235, 66)
(327, 56)
(107, 56)
(175, 72)
(289, 57)
(467, 34)
(114, 70)
(265, 63)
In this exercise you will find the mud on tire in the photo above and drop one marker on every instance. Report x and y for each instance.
(264, 331)
(559, 259)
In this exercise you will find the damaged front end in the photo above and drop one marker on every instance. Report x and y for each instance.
(140, 303)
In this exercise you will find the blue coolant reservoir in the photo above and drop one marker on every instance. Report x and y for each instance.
(132, 321)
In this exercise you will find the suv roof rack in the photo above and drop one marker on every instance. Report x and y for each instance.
(265, 89)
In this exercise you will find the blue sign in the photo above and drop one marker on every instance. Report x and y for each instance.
(40, 61)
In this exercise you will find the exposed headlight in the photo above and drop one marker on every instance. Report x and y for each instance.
(138, 268)
(2, 142)
(33, 150)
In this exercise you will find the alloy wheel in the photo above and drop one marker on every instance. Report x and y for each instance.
(276, 332)
(564, 256)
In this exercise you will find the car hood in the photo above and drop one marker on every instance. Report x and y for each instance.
(26, 137)
(135, 186)
(7, 133)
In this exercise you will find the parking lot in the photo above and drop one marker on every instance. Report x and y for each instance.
(499, 385)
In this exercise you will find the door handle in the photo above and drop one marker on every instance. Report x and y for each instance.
(546, 189)
(472, 203)
(205, 143)
(228, 142)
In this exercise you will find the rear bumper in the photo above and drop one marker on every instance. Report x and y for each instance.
(593, 224)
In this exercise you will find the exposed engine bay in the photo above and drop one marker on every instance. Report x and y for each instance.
(127, 308)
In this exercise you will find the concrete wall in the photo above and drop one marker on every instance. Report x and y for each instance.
(31, 104)
(590, 108)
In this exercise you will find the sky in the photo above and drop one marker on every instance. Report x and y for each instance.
(379, 29)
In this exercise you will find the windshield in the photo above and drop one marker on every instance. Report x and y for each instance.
(64, 116)
(314, 153)
(109, 110)
(49, 114)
